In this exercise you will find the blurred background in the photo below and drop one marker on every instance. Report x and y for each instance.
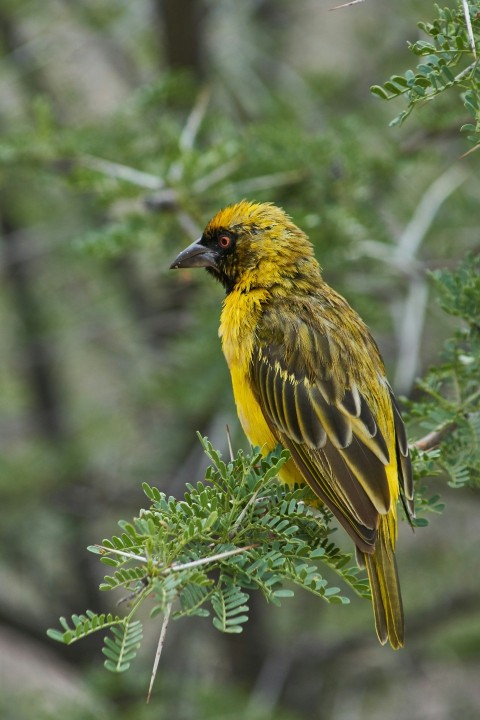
(123, 128)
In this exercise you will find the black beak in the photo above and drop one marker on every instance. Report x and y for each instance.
(195, 255)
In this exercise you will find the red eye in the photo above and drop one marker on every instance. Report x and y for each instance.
(224, 241)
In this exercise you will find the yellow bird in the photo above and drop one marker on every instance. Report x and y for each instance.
(306, 373)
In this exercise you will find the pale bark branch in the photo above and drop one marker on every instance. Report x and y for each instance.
(434, 438)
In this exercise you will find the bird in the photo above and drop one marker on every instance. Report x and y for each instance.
(307, 375)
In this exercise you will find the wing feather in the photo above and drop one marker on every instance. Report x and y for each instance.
(329, 427)
(336, 423)
(403, 457)
(345, 498)
(313, 432)
(292, 424)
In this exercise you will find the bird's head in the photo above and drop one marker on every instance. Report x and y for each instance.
(250, 245)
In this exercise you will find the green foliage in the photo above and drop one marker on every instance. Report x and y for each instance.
(238, 531)
(228, 603)
(450, 406)
(120, 648)
(447, 60)
(82, 625)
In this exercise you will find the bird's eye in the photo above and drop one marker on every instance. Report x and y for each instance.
(224, 241)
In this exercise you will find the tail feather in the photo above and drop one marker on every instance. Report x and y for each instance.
(385, 587)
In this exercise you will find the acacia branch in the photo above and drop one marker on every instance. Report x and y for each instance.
(176, 567)
(434, 438)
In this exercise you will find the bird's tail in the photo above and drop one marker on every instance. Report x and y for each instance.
(385, 587)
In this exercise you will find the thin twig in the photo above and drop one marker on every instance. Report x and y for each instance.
(427, 209)
(215, 176)
(131, 596)
(469, 152)
(168, 199)
(161, 640)
(194, 120)
(347, 4)
(434, 438)
(188, 224)
(122, 172)
(410, 332)
(264, 182)
(239, 520)
(383, 252)
(180, 566)
(465, 71)
(468, 21)
(129, 556)
(209, 559)
(189, 133)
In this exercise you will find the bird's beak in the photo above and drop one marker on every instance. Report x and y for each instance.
(195, 255)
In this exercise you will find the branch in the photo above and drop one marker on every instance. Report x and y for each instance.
(219, 173)
(194, 120)
(265, 182)
(468, 23)
(425, 212)
(411, 320)
(410, 328)
(176, 567)
(347, 4)
(122, 172)
(434, 438)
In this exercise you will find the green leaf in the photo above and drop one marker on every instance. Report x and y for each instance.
(283, 592)
(395, 88)
(56, 635)
(420, 522)
(379, 92)
(122, 648)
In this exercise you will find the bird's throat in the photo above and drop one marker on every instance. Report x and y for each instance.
(240, 315)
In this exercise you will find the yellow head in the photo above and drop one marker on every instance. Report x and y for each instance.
(251, 245)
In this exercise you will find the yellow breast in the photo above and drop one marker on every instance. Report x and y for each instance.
(237, 330)
(239, 318)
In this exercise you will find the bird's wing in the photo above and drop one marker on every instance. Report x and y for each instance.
(313, 406)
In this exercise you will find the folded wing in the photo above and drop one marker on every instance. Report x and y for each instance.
(316, 409)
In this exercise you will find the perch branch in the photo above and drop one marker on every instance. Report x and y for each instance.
(434, 438)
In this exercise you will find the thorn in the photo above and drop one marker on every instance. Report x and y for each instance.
(229, 440)
(161, 640)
